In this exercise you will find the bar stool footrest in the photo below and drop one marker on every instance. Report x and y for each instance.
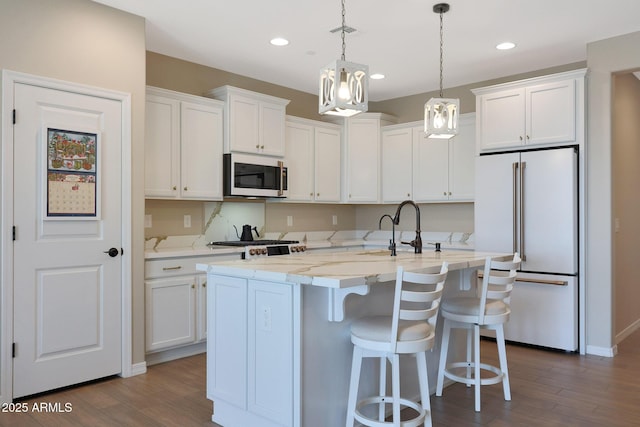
(376, 400)
(470, 380)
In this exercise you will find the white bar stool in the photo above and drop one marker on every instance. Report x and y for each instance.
(487, 310)
(409, 330)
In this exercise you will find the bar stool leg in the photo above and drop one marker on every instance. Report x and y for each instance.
(382, 387)
(444, 349)
(395, 384)
(356, 365)
(476, 350)
(502, 355)
(423, 377)
(469, 332)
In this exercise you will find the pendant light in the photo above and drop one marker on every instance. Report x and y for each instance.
(441, 114)
(344, 86)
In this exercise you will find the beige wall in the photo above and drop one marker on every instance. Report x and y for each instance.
(411, 108)
(625, 151)
(84, 42)
(603, 58)
(183, 76)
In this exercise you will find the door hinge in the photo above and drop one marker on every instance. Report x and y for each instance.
(13, 350)
(14, 116)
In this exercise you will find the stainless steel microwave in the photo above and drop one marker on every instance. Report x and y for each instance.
(247, 175)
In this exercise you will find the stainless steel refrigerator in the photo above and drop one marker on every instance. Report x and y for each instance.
(527, 202)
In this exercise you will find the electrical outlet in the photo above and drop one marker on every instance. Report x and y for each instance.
(147, 221)
(289, 221)
(335, 220)
(187, 221)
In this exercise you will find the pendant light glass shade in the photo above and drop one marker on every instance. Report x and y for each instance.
(344, 88)
(441, 117)
(441, 114)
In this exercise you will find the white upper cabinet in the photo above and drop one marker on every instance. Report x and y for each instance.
(534, 112)
(313, 160)
(428, 170)
(397, 152)
(183, 146)
(254, 122)
(361, 170)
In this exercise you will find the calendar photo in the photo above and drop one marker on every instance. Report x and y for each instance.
(71, 173)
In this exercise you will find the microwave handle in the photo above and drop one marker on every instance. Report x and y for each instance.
(283, 177)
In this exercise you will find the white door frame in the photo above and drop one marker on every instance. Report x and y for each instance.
(9, 79)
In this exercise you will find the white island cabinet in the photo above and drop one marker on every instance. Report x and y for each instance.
(278, 347)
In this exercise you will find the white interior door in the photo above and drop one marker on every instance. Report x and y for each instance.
(67, 290)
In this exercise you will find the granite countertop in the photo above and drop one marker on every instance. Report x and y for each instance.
(343, 269)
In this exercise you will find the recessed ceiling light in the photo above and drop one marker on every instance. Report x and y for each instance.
(377, 76)
(279, 41)
(505, 46)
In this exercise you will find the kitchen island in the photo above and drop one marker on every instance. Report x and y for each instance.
(278, 344)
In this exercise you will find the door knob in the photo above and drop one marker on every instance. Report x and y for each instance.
(113, 252)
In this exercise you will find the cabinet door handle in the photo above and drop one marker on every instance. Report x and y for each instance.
(171, 268)
(185, 188)
(175, 188)
(204, 284)
(258, 146)
(520, 137)
(193, 286)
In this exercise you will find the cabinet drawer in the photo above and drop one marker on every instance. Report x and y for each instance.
(169, 267)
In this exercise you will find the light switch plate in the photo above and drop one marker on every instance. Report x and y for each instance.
(147, 221)
(187, 221)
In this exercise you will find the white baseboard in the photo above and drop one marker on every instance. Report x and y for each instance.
(602, 351)
(139, 368)
(176, 353)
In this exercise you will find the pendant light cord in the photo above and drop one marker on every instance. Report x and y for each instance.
(344, 45)
(441, 50)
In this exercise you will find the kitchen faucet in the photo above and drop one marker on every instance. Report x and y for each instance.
(392, 241)
(417, 242)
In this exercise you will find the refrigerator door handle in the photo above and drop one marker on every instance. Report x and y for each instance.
(514, 167)
(523, 165)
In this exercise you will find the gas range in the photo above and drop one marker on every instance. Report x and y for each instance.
(257, 248)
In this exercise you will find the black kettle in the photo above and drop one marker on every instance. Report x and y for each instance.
(247, 235)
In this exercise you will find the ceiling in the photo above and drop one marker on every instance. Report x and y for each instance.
(397, 38)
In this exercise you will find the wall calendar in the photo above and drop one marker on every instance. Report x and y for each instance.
(71, 173)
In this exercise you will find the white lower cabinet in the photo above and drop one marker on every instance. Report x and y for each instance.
(251, 365)
(176, 302)
(170, 312)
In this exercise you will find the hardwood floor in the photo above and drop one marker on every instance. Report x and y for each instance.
(548, 389)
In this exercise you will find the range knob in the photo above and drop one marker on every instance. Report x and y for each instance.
(252, 251)
(263, 251)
